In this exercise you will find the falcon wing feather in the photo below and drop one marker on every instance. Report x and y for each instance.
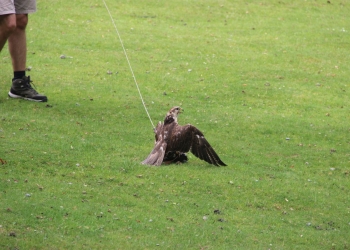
(214, 157)
(196, 149)
(180, 139)
(201, 148)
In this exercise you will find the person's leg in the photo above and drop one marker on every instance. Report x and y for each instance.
(21, 85)
(7, 20)
(17, 41)
(7, 26)
(18, 44)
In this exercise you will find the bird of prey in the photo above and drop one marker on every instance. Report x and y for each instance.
(174, 139)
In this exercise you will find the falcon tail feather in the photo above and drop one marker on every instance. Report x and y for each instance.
(156, 156)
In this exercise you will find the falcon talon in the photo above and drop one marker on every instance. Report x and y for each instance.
(167, 162)
(173, 141)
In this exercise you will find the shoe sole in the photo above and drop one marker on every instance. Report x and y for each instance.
(25, 98)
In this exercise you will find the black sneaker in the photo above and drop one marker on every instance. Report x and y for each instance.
(21, 88)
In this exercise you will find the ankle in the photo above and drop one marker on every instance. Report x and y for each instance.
(18, 74)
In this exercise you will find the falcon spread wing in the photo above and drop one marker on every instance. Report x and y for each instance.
(171, 137)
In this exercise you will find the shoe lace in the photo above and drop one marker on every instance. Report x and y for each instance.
(29, 84)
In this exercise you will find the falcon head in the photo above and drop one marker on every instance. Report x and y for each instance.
(171, 116)
(175, 111)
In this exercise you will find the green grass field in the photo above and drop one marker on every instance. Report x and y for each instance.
(267, 82)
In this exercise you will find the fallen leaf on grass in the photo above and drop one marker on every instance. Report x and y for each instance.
(40, 187)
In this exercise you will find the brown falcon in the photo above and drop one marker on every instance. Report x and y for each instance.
(172, 138)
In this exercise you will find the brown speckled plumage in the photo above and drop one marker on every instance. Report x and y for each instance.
(171, 137)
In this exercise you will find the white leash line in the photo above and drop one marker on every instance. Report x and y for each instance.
(127, 58)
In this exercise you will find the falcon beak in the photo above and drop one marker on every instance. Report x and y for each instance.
(181, 110)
